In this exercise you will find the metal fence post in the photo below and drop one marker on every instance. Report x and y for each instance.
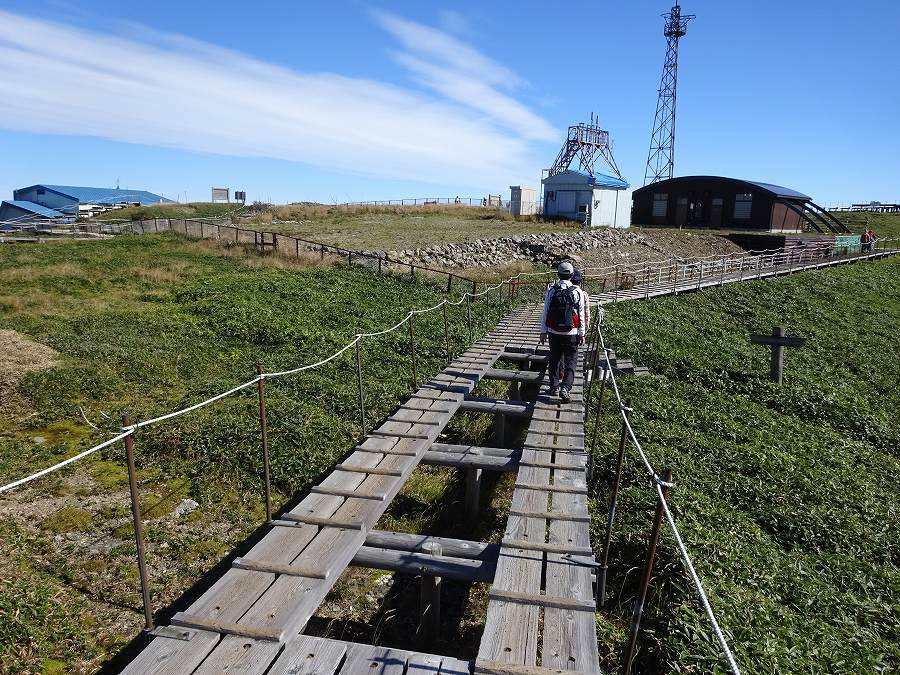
(446, 332)
(412, 350)
(264, 439)
(138, 526)
(611, 513)
(469, 316)
(645, 579)
(598, 417)
(362, 394)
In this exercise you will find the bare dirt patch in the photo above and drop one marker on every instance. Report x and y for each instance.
(19, 355)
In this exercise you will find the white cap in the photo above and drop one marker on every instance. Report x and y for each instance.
(565, 268)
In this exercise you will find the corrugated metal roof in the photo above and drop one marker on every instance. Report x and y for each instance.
(34, 208)
(598, 180)
(94, 195)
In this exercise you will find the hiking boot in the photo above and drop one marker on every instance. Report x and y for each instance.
(564, 395)
(553, 391)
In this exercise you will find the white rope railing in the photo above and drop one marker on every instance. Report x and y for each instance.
(658, 484)
(130, 429)
(467, 296)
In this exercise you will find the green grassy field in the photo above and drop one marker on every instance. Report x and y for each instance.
(884, 224)
(385, 228)
(145, 325)
(787, 496)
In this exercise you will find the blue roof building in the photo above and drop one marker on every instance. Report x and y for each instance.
(68, 198)
(15, 213)
(589, 199)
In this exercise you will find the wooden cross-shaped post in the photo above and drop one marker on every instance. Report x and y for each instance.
(778, 341)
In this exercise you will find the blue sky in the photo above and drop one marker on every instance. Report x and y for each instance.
(351, 100)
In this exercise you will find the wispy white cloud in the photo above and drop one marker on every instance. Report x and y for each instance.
(459, 72)
(172, 91)
(455, 22)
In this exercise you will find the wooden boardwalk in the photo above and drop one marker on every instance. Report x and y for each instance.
(661, 281)
(251, 619)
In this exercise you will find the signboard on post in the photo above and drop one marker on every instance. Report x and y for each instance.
(777, 341)
(240, 196)
(221, 195)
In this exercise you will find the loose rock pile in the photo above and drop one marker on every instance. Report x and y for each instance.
(544, 248)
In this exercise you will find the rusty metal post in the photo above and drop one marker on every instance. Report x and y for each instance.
(446, 333)
(362, 393)
(449, 283)
(412, 273)
(138, 526)
(469, 316)
(349, 258)
(322, 251)
(412, 350)
(700, 275)
(722, 271)
(597, 420)
(611, 513)
(645, 579)
(264, 440)
(647, 281)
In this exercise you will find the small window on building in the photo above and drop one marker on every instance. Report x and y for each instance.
(742, 203)
(660, 204)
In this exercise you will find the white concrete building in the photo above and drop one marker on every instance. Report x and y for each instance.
(521, 201)
(591, 200)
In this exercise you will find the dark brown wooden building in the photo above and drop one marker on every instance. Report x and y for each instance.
(728, 203)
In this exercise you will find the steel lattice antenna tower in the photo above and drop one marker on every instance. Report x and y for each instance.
(587, 142)
(661, 160)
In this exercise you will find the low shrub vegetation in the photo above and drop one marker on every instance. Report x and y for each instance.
(131, 340)
(787, 496)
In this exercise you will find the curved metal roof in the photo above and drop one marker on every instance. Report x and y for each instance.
(774, 190)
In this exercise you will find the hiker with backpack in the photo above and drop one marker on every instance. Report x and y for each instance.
(564, 321)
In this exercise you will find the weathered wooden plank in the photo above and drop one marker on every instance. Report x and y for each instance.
(373, 470)
(353, 494)
(526, 545)
(500, 668)
(551, 515)
(309, 655)
(279, 568)
(373, 661)
(471, 461)
(574, 487)
(203, 623)
(311, 519)
(237, 654)
(410, 562)
(173, 657)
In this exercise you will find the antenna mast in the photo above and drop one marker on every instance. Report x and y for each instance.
(661, 159)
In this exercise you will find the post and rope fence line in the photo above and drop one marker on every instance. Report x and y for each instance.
(662, 485)
(265, 240)
(129, 429)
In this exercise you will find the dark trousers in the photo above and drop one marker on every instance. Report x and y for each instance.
(563, 351)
